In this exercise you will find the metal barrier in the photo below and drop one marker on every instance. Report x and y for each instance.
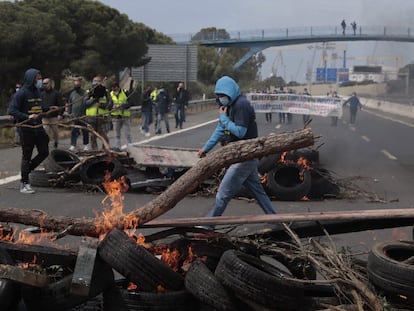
(193, 106)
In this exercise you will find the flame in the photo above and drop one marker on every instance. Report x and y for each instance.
(113, 207)
(172, 259)
(160, 289)
(192, 257)
(132, 286)
(6, 234)
(305, 198)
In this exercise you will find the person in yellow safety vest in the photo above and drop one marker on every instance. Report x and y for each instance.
(153, 97)
(121, 115)
(98, 104)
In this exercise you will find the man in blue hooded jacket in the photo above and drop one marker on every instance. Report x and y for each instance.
(237, 121)
(27, 108)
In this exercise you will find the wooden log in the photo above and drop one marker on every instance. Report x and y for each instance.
(23, 276)
(286, 218)
(233, 153)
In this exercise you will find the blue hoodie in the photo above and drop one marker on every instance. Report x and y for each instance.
(240, 120)
(27, 101)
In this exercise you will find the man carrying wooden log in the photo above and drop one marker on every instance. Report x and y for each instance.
(237, 121)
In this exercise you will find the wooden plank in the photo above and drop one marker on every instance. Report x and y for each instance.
(85, 264)
(23, 276)
(287, 218)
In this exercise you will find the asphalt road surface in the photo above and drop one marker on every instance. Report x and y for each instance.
(375, 155)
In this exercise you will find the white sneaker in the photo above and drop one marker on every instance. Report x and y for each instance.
(142, 131)
(147, 134)
(86, 148)
(26, 189)
(72, 148)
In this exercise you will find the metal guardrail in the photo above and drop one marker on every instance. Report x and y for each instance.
(193, 106)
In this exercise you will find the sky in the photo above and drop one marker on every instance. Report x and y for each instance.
(189, 16)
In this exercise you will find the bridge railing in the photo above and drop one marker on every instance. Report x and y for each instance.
(361, 30)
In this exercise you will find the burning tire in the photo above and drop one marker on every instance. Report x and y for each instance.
(391, 269)
(202, 283)
(58, 297)
(137, 264)
(60, 160)
(258, 281)
(267, 163)
(289, 182)
(9, 290)
(118, 298)
(93, 171)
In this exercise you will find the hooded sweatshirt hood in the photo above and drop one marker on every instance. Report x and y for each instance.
(29, 77)
(227, 86)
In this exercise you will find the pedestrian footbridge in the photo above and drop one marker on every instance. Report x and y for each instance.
(258, 40)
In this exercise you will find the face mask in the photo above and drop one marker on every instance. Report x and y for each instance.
(225, 101)
(39, 84)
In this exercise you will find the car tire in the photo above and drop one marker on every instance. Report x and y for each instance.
(93, 171)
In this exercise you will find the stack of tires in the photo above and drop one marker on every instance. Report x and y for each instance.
(62, 167)
(391, 271)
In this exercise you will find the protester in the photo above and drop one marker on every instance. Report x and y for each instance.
(181, 98)
(27, 108)
(146, 111)
(52, 99)
(354, 104)
(98, 105)
(16, 128)
(237, 121)
(163, 103)
(343, 25)
(121, 115)
(77, 110)
(334, 120)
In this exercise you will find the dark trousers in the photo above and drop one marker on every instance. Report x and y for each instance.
(101, 126)
(29, 140)
(76, 132)
(179, 115)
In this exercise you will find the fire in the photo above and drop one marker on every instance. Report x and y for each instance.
(172, 259)
(113, 207)
(132, 286)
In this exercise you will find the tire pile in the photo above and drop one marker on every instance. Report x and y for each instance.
(204, 274)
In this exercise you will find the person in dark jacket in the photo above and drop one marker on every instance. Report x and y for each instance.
(237, 121)
(354, 105)
(163, 103)
(52, 99)
(181, 98)
(146, 110)
(27, 108)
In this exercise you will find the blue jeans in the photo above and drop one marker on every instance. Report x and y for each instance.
(120, 123)
(146, 120)
(239, 174)
(160, 117)
(76, 132)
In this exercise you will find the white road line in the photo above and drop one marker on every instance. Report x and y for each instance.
(388, 155)
(9, 179)
(365, 138)
(389, 118)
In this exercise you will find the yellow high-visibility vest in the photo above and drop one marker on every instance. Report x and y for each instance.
(118, 101)
(94, 111)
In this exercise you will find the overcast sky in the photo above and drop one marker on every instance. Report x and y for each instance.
(189, 16)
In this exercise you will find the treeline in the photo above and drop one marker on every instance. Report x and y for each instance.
(64, 37)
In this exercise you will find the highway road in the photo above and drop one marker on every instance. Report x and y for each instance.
(374, 156)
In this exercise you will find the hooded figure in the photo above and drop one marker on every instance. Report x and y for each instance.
(27, 106)
(237, 121)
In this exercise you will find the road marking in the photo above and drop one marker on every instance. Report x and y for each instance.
(389, 118)
(388, 155)
(9, 179)
(366, 138)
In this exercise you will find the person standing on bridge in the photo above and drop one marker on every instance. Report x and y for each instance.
(354, 104)
(354, 26)
(343, 24)
(237, 121)
(27, 108)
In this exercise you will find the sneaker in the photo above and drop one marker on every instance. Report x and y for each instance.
(26, 189)
(72, 148)
(86, 148)
(147, 134)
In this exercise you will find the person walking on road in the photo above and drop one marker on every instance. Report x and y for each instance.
(77, 110)
(354, 105)
(163, 103)
(237, 121)
(27, 108)
(146, 111)
(181, 98)
(53, 99)
(121, 115)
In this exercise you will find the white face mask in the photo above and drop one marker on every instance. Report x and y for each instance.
(39, 84)
(225, 101)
